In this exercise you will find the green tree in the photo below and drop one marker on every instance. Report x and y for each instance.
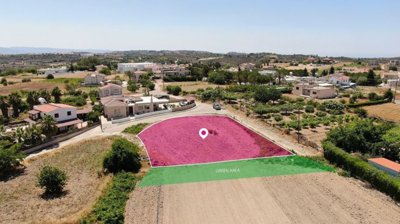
(15, 100)
(174, 90)
(10, 158)
(52, 179)
(305, 72)
(3, 81)
(392, 143)
(45, 94)
(105, 71)
(71, 68)
(50, 76)
(48, 125)
(264, 94)
(388, 95)
(132, 86)
(332, 70)
(32, 99)
(371, 80)
(56, 93)
(123, 156)
(4, 106)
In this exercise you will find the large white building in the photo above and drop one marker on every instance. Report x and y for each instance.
(131, 67)
(52, 71)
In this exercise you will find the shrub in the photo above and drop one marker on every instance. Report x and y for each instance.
(74, 101)
(361, 112)
(110, 208)
(368, 103)
(26, 80)
(179, 78)
(52, 179)
(309, 109)
(123, 157)
(50, 76)
(174, 90)
(151, 85)
(264, 94)
(10, 158)
(359, 168)
(93, 116)
(321, 114)
(136, 129)
(278, 117)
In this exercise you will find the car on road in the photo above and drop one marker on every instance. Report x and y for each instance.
(217, 106)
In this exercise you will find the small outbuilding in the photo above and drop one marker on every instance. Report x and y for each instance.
(386, 165)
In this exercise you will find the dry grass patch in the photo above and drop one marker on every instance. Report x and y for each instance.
(191, 86)
(29, 86)
(387, 111)
(21, 201)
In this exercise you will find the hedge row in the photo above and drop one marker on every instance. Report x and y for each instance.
(368, 103)
(361, 169)
(110, 208)
(180, 78)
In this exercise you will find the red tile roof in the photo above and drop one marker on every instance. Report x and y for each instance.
(387, 163)
(45, 108)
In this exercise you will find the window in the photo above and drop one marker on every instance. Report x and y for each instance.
(297, 88)
(69, 113)
(56, 115)
(314, 93)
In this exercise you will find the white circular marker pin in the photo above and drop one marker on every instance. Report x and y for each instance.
(203, 133)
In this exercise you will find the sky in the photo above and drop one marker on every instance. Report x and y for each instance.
(354, 28)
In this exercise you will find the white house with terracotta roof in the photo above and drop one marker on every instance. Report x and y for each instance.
(338, 79)
(65, 115)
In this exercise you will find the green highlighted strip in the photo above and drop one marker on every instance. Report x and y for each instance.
(262, 167)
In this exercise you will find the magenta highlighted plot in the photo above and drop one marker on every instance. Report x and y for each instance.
(177, 141)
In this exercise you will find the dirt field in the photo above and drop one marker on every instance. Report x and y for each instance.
(387, 111)
(305, 198)
(191, 86)
(21, 200)
(34, 85)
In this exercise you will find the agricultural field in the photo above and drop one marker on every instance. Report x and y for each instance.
(387, 111)
(23, 202)
(191, 86)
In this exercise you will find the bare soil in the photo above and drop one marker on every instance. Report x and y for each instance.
(21, 201)
(305, 198)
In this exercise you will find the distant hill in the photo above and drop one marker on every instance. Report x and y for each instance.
(42, 50)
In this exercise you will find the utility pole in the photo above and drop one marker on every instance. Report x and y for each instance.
(395, 91)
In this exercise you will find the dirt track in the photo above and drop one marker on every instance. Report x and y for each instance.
(306, 198)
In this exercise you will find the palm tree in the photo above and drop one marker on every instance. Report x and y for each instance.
(48, 125)
(4, 106)
(56, 93)
(15, 100)
(32, 99)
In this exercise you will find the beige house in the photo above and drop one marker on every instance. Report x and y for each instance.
(314, 91)
(110, 90)
(116, 107)
(390, 76)
(94, 79)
